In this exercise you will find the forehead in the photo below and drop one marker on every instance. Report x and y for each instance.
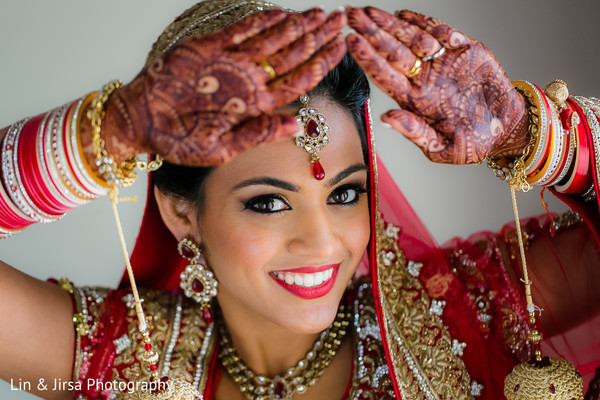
(284, 160)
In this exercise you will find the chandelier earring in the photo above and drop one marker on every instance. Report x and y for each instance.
(197, 281)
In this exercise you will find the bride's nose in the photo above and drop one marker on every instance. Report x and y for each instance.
(314, 235)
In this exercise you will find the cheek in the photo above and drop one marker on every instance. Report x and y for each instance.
(236, 245)
(356, 231)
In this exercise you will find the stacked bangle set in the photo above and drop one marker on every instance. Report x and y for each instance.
(565, 141)
(44, 172)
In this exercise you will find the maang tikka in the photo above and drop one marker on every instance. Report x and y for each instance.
(315, 137)
(197, 281)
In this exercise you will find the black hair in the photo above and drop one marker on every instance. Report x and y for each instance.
(346, 85)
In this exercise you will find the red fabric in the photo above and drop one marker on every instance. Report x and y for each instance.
(155, 260)
(99, 366)
(212, 383)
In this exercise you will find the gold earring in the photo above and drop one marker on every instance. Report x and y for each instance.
(197, 281)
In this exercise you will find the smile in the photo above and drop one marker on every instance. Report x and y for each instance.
(308, 282)
(305, 280)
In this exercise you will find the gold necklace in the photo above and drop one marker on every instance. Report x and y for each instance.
(296, 379)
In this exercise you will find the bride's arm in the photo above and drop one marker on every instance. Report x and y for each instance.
(37, 338)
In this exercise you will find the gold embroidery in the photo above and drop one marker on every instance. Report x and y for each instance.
(371, 374)
(205, 18)
(420, 345)
(159, 307)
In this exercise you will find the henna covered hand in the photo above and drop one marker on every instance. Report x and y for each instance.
(460, 107)
(209, 98)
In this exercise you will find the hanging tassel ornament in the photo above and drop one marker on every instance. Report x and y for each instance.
(541, 378)
(157, 388)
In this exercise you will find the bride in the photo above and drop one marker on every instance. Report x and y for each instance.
(283, 241)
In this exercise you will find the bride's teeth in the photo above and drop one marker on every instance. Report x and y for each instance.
(305, 280)
(309, 280)
(318, 278)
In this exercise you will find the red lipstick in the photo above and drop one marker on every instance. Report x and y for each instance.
(309, 293)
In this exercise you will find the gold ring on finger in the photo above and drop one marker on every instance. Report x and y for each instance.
(415, 69)
(268, 69)
(435, 55)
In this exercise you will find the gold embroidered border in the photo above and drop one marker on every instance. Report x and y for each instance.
(419, 343)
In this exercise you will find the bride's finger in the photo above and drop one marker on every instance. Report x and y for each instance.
(435, 147)
(396, 53)
(308, 45)
(389, 80)
(237, 33)
(290, 86)
(445, 34)
(420, 42)
(278, 36)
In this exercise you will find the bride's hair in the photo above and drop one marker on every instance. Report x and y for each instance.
(346, 85)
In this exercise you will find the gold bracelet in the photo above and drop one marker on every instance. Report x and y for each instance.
(124, 173)
(513, 171)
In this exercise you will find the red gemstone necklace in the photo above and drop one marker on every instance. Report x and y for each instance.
(296, 379)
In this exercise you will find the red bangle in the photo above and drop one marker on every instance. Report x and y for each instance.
(11, 218)
(580, 180)
(39, 191)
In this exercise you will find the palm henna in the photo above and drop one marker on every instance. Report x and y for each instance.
(460, 108)
(208, 98)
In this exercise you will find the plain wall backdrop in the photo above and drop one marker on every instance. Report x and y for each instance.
(54, 51)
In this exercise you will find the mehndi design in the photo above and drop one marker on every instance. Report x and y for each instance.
(180, 107)
(460, 107)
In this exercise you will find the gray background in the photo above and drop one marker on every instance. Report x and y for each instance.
(53, 52)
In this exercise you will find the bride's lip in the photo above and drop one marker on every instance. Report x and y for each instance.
(306, 284)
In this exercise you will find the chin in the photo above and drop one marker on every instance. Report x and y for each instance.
(313, 318)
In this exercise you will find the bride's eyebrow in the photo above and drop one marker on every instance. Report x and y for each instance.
(346, 173)
(281, 184)
(267, 181)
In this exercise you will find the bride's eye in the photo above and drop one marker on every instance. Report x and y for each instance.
(267, 204)
(346, 194)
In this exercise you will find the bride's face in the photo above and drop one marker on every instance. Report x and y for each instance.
(282, 244)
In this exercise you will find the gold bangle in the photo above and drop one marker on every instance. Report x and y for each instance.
(124, 173)
(513, 172)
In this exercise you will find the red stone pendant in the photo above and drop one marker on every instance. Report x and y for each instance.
(312, 129)
(318, 171)
(187, 252)
(197, 286)
(207, 315)
(279, 390)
